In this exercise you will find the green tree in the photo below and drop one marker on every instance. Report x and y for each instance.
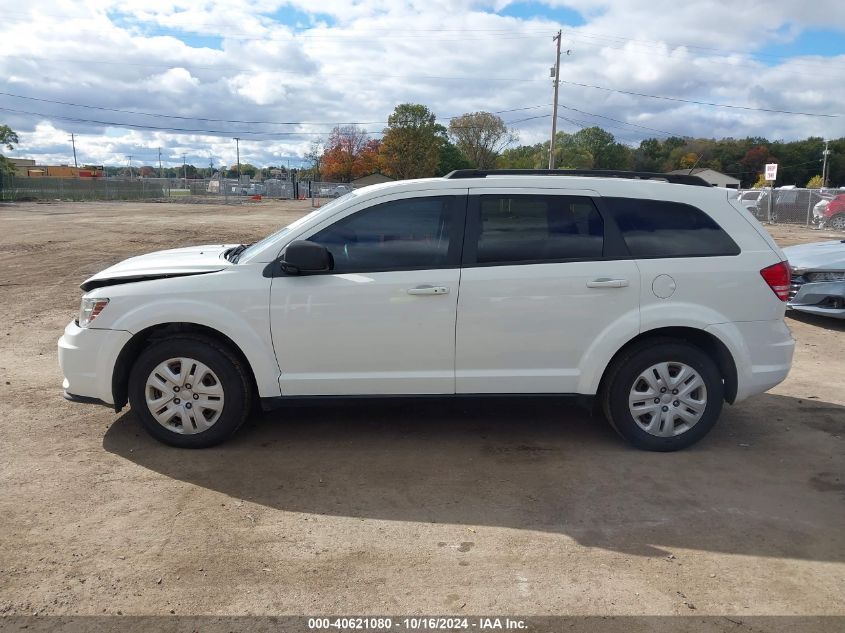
(411, 144)
(8, 139)
(524, 157)
(451, 159)
(480, 136)
(246, 170)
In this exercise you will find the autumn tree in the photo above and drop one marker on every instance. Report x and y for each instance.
(8, 139)
(410, 147)
(815, 182)
(480, 136)
(349, 154)
(756, 158)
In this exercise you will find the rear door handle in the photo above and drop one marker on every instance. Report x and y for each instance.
(604, 282)
(428, 290)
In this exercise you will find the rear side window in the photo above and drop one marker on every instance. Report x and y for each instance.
(528, 228)
(657, 228)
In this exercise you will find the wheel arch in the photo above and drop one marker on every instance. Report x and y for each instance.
(139, 341)
(705, 341)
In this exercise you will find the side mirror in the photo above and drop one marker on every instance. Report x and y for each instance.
(304, 257)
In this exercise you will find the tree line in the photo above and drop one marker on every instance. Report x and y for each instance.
(414, 145)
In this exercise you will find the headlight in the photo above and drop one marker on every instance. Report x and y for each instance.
(90, 310)
(827, 276)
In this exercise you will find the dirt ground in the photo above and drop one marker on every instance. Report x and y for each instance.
(528, 508)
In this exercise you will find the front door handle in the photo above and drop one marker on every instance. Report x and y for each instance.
(428, 290)
(604, 282)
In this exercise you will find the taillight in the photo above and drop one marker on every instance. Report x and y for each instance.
(778, 278)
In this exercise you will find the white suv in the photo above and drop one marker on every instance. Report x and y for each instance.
(658, 294)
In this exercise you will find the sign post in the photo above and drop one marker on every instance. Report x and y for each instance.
(771, 176)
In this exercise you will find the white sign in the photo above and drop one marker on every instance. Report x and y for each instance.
(772, 171)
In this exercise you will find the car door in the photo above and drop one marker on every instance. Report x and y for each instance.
(543, 278)
(382, 321)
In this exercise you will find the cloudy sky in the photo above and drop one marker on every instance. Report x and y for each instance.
(128, 77)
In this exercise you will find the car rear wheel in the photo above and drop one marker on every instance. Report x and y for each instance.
(190, 392)
(838, 222)
(663, 395)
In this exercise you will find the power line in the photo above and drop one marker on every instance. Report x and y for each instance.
(170, 66)
(478, 78)
(210, 120)
(643, 127)
(202, 131)
(655, 44)
(706, 103)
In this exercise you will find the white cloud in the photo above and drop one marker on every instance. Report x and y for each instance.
(355, 61)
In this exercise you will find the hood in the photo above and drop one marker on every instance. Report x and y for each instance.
(817, 256)
(176, 262)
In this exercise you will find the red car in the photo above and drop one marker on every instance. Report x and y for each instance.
(833, 215)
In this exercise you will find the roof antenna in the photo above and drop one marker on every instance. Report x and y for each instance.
(694, 164)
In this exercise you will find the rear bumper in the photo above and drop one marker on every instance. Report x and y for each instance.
(87, 357)
(762, 352)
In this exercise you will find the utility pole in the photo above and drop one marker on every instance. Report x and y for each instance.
(238, 151)
(130, 166)
(185, 170)
(160, 175)
(825, 154)
(554, 110)
(73, 142)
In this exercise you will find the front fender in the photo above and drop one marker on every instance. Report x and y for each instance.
(236, 305)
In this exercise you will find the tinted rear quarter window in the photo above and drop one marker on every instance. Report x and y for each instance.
(658, 228)
(535, 228)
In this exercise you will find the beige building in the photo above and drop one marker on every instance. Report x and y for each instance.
(715, 178)
(371, 179)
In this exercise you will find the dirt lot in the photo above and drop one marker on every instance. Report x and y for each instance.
(474, 508)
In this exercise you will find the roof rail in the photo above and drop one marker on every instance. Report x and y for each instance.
(678, 179)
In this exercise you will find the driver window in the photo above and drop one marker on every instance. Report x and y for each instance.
(398, 235)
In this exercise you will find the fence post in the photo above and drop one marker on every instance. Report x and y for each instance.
(809, 204)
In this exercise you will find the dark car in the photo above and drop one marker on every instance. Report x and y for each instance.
(788, 205)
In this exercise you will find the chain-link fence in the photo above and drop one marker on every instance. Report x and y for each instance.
(22, 189)
(791, 205)
(322, 192)
(220, 190)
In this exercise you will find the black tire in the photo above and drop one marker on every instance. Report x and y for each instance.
(232, 375)
(630, 364)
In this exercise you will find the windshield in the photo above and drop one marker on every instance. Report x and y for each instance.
(261, 244)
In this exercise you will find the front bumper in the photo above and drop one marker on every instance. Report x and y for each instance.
(87, 357)
(825, 298)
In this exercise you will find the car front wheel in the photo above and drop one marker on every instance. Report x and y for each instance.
(663, 396)
(190, 392)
